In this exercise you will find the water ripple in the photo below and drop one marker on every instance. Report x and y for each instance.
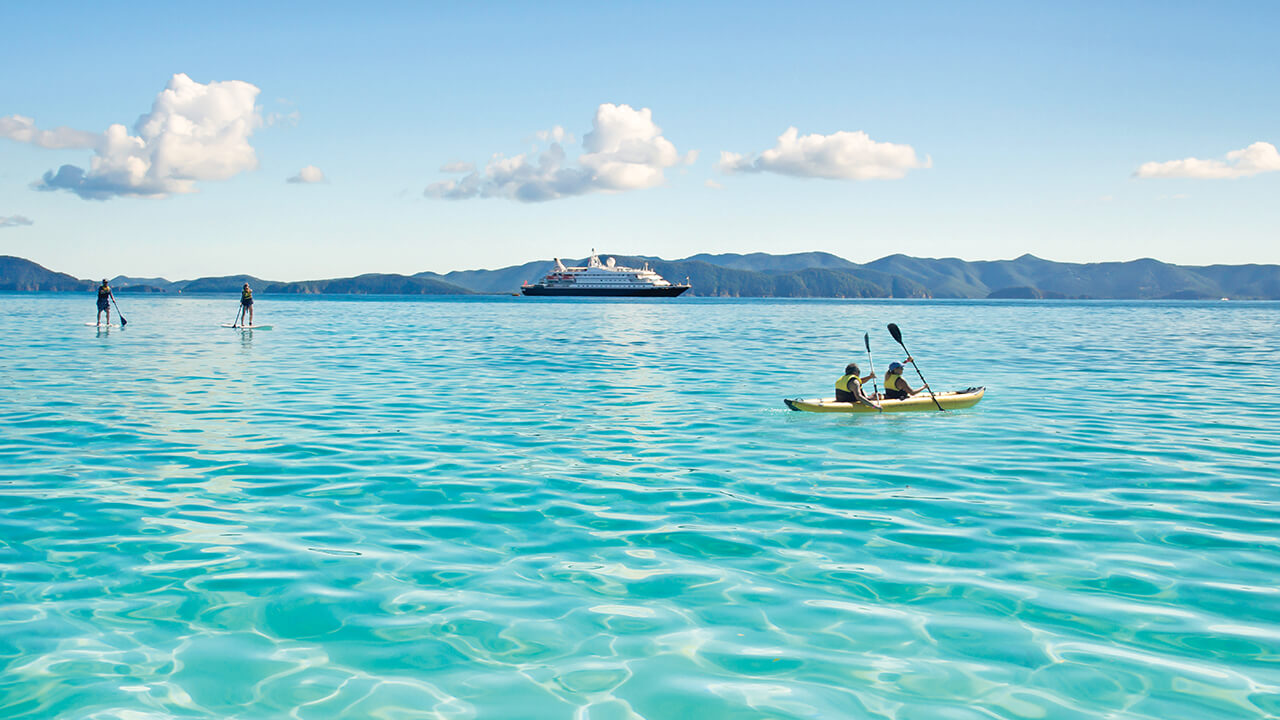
(468, 508)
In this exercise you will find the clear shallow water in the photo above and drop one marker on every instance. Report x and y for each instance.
(519, 509)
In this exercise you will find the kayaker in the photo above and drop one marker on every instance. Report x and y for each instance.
(849, 386)
(896, 388)
(104, 301)
(246, 303)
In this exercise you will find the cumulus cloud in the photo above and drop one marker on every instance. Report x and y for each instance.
(838, 156)
(625, 150)
(15, 221)
(308, 174)
(194, 132)
(1258, 158)
(458, 166)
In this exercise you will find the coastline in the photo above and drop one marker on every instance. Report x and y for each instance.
(760, 275)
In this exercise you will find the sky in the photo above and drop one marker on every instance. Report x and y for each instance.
(312, 140)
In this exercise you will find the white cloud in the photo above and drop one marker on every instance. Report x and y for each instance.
(194, 132)
(308, 174)
(838, 156)
(458, 166)
(291, 118)
(23, 129)
(15, 221)
(714, 185)
(625, 150)
(555, 134)
(1258, 158)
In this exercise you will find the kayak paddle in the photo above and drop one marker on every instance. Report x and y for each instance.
(897, 335)
(123, 322)
(866, 339)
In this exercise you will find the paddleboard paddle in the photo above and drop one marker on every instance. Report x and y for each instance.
(897, 335)
(123, 322)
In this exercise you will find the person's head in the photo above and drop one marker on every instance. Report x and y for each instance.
(104, 281)
(246, 286)
(851, 369)
(895, 367)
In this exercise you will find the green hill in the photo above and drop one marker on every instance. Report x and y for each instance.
(1135, 279)
(222, 284)
(21, 275)
(124, 283)
(809, 274)
(370, 284)
(502, 280)
(764, 262)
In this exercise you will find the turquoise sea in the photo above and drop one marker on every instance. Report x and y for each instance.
(512, 508)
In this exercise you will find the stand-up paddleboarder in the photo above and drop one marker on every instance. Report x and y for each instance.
(104, 301)
(246, 304)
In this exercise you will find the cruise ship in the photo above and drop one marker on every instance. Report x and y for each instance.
(603, 279)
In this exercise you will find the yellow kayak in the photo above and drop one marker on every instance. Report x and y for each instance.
(922, 402)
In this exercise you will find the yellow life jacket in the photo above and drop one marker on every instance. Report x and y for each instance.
(246, 295)
(846, 380)
(891, 380)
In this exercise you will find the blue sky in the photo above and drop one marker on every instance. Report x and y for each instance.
(980, 131)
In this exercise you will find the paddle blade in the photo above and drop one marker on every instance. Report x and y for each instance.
(866, 339)
(896, 333)
(123, 322)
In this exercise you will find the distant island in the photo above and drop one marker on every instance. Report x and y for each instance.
(796, 275)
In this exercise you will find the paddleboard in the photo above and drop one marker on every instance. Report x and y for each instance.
(246, 327)
(112, 325)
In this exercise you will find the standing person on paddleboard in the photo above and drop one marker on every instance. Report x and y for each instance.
(849, 386)
(246, 303)
(895, 387)
(104, 301)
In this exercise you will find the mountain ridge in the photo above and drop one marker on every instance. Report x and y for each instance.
(806, 274)
(21, 275)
